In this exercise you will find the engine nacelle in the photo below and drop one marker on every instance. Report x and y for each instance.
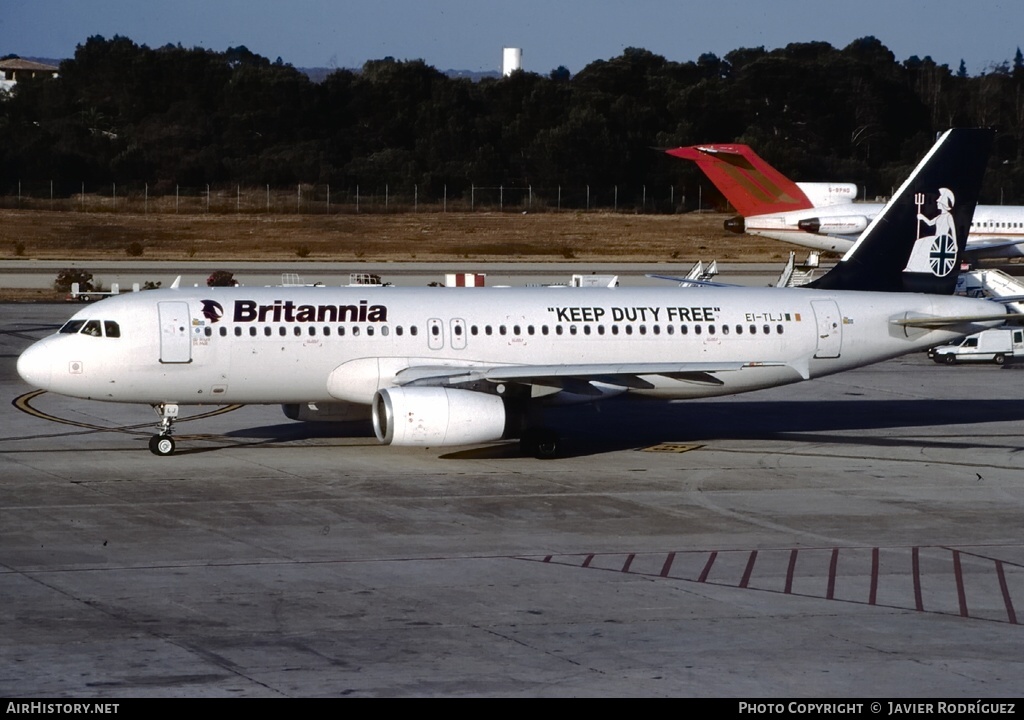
(432, 416)
(736, 225)
(824, 194)
(839, 225)
(326, 412)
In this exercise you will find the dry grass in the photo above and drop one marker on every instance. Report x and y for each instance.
(481, 236)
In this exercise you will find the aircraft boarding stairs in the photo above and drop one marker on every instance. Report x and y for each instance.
(700, 273)
(794, 275)
(994, 284)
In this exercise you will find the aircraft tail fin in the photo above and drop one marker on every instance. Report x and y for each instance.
(916, 242)
(750, 184)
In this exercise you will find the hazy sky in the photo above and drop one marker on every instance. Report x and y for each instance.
(470, 34)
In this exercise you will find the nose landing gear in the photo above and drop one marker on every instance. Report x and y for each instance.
(162, 443)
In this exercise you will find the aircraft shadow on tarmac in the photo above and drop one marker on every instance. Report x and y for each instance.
(632, 423)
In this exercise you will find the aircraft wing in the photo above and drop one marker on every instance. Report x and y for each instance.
(989, 243)
(993, 247)
(683, 281)
(574, 378)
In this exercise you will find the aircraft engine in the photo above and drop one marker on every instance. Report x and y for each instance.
(844, 225)
(735, 224)
(430, 416)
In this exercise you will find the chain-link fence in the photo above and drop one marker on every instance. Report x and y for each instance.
(325, 199)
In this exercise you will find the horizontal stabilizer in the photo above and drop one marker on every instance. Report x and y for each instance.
(937, 323)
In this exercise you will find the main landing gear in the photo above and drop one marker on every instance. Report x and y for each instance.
(162, 443)
(540, 443)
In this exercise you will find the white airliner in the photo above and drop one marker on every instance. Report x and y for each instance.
(824, 216)
(455, 366)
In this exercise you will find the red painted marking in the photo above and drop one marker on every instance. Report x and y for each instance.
(916, 562)
(590, 557)
(1006, 593)
(629, 562)
(831, 593)
(668, 564)
(749, 569)
(707, 567)
(873, 596)
(958, 573)
(790, 571)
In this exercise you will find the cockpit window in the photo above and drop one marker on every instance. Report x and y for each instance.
(72, 326)
(96, 328)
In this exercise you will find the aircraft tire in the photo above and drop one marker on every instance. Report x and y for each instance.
(540, 443)
(162, 445)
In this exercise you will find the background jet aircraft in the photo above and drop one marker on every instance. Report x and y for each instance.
(455, 366)
(824, 216)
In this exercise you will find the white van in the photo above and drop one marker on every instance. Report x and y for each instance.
(987, 346)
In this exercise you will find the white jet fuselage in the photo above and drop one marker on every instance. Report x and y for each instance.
(309, 345)
(996, 231)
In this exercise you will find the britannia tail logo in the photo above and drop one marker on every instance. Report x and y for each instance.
(935, 253)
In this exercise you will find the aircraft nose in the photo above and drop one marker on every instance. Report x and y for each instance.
(34, 366)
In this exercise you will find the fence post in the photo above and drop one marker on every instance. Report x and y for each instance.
(328, 198)
(357, 199)
(145, 202)
(472, 197)
(415, 197)
(446, 197)
(615, 202)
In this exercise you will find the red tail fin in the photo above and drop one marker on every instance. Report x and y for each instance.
(752, 186)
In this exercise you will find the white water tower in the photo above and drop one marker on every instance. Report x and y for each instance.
(512, 61)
